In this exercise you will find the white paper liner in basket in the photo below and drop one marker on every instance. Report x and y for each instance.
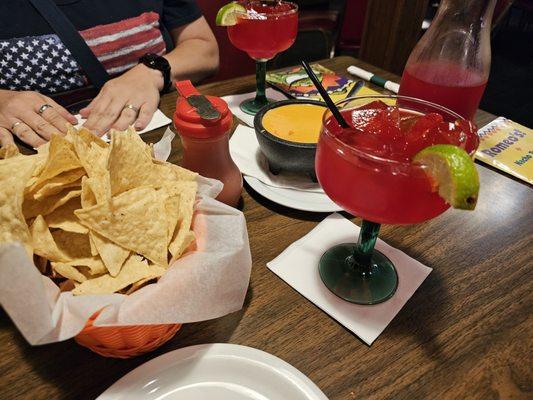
(206, 283)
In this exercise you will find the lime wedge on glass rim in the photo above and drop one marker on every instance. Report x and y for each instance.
(226, 15)
(453, 172)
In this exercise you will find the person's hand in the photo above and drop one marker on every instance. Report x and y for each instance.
(130, 99)
(24, 115)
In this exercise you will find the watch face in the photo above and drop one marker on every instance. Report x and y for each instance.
(157, 62)
(161, 64)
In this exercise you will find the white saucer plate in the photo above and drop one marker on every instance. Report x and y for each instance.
(215, 371)
(297, 199)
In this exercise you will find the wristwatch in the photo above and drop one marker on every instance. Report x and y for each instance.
(159, 63)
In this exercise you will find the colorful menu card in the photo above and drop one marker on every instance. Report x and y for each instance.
(294, 82)
(508, 146)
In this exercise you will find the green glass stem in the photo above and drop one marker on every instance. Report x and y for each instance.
(361, 259)
(260, 78)
(252, 106)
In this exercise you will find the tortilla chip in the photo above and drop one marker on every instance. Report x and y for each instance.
(95, 190)
(44, 149)
(178, 243)
(111, 253)
(67, 179)
(186, 241)
(91, 153)
(133, 221)
(137, 285)
(101, 187)
(172, 208)
(88, 138)
(88, 198)
(134, 270)
(51, 191)
(61, 158)
(43, 242)
(93, 264)
(97, 157)
(94, 251)
(129, 164)
(71, 131)
(14, 173)
(74, 245)
(39, 167)
(63, 217)
(8, 151)
(167, 172)
(68, 271)
(31, 208)
(149, 148)
(93, 156)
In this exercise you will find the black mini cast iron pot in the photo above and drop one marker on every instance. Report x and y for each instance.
(284, 155)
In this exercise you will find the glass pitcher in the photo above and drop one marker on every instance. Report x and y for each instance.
(450, 64)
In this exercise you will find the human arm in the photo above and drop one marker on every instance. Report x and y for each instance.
(194, 57)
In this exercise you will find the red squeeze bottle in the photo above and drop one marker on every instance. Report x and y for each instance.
(204, 124)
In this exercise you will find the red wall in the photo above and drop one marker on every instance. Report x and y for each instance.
(353, 22)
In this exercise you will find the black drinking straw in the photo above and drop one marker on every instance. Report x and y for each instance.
(325, 96)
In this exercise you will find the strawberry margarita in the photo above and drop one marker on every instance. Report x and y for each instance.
(264, 30)
(367, 169)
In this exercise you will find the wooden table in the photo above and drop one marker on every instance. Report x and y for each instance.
(465, 333)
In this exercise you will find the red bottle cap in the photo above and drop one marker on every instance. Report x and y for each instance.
(200, 116)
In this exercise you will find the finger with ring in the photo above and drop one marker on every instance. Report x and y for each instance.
(54, 117)
(15, 124)
(44, 107)
(27, 135)
(126, 118)
(131, 107)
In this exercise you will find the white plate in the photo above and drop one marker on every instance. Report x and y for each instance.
(215, 371)
(297, 199)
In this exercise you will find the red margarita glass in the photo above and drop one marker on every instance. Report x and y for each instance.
(264, 30)
(367, 170)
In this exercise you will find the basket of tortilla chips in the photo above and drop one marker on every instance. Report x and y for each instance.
(102, 221)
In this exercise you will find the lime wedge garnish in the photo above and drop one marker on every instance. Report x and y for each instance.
(226, 15)
(453, 172)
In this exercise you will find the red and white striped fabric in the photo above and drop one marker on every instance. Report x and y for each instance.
(119, 45)
(44, 64)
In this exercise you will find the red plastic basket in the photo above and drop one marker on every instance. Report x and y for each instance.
(125, 341)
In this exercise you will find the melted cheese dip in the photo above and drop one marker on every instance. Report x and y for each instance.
(299, 123)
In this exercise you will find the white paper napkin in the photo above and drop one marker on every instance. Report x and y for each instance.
(298, 266)
(163, 148)
(245, 151)
(235, 100)
(158, 120)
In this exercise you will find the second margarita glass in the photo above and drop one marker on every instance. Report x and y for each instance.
(263, 30)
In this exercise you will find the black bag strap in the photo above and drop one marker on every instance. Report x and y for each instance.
(72, 40)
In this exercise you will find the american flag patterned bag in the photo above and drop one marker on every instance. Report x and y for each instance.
(72, 44)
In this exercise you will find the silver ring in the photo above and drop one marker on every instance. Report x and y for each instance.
(131, 107)
(43, 108)
(15, 124)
